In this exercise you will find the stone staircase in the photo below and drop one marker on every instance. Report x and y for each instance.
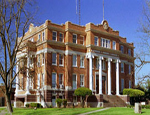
(113, 101)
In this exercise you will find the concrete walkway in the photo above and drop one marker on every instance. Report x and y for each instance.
(3, 112)
(94, 111)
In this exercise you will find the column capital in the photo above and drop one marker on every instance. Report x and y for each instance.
(101, 58)
(89, 55)
(117, 61)
(109, 59)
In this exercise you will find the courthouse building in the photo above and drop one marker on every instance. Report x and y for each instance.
(57, 59)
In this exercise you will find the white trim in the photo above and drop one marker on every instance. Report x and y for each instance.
(56, 35)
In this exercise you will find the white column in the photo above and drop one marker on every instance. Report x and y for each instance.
(17, 77)
(109, 76)
(27, 82)
(117, 77)
(90, 73)
(100, 75)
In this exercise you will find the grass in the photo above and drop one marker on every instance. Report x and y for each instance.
(52, 111)
(121, 111)
(2, 109)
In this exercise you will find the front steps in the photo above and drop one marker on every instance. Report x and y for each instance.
(113, 101)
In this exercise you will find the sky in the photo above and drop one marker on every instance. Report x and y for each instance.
(122, 15)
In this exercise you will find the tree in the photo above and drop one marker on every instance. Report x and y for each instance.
(143, 53)
(83, 92)
(15, 17)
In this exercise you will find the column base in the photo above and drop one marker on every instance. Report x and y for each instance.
(27, 93)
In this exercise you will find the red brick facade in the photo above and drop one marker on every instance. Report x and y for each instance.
(53, 51)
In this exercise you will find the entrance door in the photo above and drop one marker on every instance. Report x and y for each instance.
(53, 101)
(104, 84)
(97, 84)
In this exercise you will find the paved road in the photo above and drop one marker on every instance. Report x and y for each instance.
(94, 111)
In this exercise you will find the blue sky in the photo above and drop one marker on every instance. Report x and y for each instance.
(122, 15)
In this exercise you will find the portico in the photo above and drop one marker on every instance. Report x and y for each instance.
(103, 80)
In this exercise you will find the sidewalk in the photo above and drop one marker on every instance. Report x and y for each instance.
(94, 111)
(3, 112)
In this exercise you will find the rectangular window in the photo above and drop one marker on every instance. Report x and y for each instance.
(43, 58)
(39, 38)
(74, 81)
(129, 52)
(122, 67)
(97, 63)
(114, 45)
(122, 85)
(93, 63)
(38, 62)
(129, 69)
(54, 59)
(43, 36)
(81, 80)
(96, 41)
(82, 40)
(61, 58)
(32, 39)
(74, 60)
(122, 49)
(129, 84)
(54, 36)
(105, 43)
(103, 65)
(43, 79)
(38, 81)
(60, 79)
(74, 38)
(61, 37)
(53, 80)
(81, 61)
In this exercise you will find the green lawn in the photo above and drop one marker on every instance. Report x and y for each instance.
(2, 109)
(52, 111)
(121, 111)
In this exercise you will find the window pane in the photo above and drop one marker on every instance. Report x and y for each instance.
(43, 36)
(74, 38)
(54, 36)
(60, 79)
(122, 84)
(53, 80)
(82, 40)
(122, 67)
(81, 80)
(82, 61)
(74, 82)
(74, 60)
(96, 41)
(53, 58)
(60, 59)
(114, 45)
(61, 37)
(122, 49)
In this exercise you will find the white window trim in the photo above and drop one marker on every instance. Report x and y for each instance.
(76, 81)
(97, 41)
(123, 67)
(56, 59)
(42, 59)
(56, 81)
(129, 69)
(105, 43)
(76, 38)
(63, 60)
(62, 36)
(80, 61)
(83, 80)
(56, 35)
(72, 60)
(83, 39)
(62, 79)
(43, 36)
(113, 45)
(123, 49)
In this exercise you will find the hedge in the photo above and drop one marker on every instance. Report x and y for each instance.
(82, 91)
(133, 92)
(38, 105)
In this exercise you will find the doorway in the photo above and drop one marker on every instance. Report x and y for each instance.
(53, 101)
(103, 84)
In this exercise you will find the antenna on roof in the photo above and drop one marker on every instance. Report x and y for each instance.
(78, 10)
(103, 9)
(79, 14)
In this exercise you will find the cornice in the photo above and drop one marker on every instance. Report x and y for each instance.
(55, 28)
(78, 46)
(75, 31)
(126, 44)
